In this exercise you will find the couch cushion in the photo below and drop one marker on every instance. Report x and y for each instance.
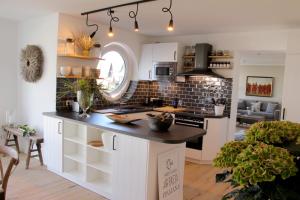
(255, 107)
(241, 105)
(264, 106)
(271, 107)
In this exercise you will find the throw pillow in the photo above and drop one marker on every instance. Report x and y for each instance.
(271, 107)
(255, 107)
(242, 105)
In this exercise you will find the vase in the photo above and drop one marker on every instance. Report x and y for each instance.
(85, 101)
(86, 52)
(219, 110)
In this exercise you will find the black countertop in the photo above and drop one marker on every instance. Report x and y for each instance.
(177, 133)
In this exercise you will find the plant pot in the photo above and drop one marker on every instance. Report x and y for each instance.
(86, 52)
(219, 110)
(85, 101)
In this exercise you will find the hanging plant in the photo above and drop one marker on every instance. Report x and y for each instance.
(31, 63)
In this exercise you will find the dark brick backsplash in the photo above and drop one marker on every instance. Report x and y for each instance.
(194, 93)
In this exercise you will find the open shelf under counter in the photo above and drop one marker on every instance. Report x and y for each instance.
(76, 139)
(99, 180)
(74, 169)
(80, 57)
(102, 149)
(101, 167)
(75, 157)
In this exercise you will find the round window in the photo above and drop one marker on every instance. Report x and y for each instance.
(113, 71)
(116, 70)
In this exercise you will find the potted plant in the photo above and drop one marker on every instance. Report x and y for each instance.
(85, 43)
(219, 106)
(85, 89)
(265, 165)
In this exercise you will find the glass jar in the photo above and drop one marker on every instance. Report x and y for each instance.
(70, 47)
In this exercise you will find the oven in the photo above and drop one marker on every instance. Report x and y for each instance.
(164, 71)
(188, 119)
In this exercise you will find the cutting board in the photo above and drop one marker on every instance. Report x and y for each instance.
(169, 109)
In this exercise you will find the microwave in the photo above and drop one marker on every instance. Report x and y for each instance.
(164, 71)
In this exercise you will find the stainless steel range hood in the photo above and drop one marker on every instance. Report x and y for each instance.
(201, 62)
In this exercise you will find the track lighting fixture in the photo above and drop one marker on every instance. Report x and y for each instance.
(87, 23)
(171, 23)
(132, 15)
(110, 13)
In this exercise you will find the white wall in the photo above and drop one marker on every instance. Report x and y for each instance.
(39, 97)
(8, 67)
(268, 71)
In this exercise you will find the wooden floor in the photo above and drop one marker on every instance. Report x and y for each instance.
(39, 184)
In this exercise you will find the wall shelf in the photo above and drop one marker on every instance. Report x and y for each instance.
(189, 56)
(78, 77)
(80, 57)
(220, 68)
(221, 57)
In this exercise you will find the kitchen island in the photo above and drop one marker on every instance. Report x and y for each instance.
(128, 168)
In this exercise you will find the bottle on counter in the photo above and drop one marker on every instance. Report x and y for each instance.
(175, 102)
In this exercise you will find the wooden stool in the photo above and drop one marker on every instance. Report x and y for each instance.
(37, 140)
(33, 140)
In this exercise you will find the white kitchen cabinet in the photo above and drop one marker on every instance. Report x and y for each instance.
(158, 52)
(165, 52)
(130, 163)
(53, 138)
(146, 63)
(215, 137)
(290, 97)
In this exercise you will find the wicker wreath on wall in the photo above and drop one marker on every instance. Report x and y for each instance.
(32, 63)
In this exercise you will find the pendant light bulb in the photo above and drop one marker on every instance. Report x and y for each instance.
(110, 33)
(136, 26)
(171, 25)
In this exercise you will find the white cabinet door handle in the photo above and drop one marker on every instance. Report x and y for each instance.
(114, 137)
(59, 128)
(175, 52)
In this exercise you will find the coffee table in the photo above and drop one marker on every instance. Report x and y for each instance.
(249, 119)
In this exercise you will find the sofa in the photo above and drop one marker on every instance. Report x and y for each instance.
(269, 110)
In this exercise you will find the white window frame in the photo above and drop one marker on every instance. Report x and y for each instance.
(129, 60)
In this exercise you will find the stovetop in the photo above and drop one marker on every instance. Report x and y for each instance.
(196, 114)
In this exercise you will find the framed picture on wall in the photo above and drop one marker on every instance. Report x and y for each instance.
(259, 86)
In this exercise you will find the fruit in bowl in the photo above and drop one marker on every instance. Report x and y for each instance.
(161, 122)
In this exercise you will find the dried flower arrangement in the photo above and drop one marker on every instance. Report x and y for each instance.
(85, 43)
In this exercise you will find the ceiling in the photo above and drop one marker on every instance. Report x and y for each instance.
(190, 16)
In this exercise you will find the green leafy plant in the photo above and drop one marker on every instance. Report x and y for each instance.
(26, 130)
(274, 132)
(263, 166)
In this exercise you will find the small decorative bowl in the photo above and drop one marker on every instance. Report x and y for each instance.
(160, 122)
(65, 70)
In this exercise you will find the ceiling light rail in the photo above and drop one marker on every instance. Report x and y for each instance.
(116, 6)
(132, 15)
